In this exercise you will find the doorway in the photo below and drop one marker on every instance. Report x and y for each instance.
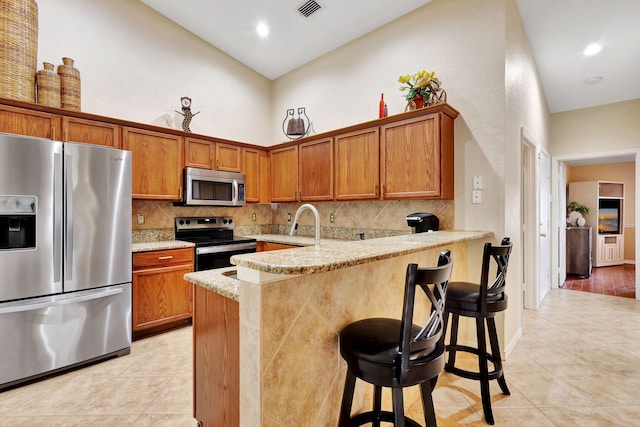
(560, 180)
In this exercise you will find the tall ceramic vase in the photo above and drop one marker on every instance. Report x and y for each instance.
(69, 85)
(48, 84)
(18, 49)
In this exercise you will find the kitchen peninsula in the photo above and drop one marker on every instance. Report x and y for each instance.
(266, 344)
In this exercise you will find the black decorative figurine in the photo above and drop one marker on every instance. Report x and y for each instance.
(186, 113)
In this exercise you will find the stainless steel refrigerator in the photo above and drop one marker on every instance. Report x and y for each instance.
(65, 256)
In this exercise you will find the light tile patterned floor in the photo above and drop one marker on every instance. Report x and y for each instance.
(576, 365)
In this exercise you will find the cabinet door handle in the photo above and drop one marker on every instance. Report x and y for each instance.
(165, 257)
(375, 190)
(543, 234)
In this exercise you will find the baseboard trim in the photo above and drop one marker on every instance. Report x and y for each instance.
(512, 344)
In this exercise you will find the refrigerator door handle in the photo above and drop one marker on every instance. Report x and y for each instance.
(68, 198)
(57, 218)
(48, 302)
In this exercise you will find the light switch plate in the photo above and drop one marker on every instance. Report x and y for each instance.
(140, 218)
(332, 218)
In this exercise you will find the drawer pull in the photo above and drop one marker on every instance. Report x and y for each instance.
(165, 257)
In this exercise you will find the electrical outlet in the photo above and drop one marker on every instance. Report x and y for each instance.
(253, 216)
(140, 218)
(289, 216)
(477, 182)
(332, 218)
(476, 196)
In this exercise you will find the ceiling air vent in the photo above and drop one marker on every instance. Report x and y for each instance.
(308, 8)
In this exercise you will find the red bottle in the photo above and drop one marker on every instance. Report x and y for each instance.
(381, 105)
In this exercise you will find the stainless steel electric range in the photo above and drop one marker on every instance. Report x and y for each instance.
(214, 239)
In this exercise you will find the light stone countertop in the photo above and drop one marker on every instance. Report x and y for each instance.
(285, 239)
(159, 246)
(217, 281)
(334, 256)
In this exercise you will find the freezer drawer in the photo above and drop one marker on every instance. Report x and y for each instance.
(45, 334)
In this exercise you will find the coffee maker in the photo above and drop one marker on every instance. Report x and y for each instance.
(423, 222)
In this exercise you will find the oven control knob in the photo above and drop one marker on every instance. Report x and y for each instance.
(230, 220)
(224, 221)
(188, 221)
(181, 222)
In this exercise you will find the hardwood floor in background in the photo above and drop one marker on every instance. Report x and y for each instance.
(618, 280)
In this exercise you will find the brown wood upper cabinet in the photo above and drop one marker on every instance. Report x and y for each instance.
(198, 153)
(315, 178)
(157, 163)
(91, 132)
(357, 159)
(416, 158)
(228, 158)
(26, 122)
(284, 174)
(256, 169)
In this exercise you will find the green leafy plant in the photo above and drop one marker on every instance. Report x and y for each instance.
(577, 207)
(423, 83)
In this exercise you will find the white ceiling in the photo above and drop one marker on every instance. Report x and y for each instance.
(558, 31)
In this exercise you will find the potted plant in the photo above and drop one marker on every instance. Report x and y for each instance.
(422, 89)
(576, 210)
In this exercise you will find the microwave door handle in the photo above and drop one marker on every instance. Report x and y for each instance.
(57, 217)
(68, 197)
(235, 192)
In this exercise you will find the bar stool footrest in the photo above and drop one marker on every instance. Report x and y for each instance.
(492, 375)
(379, 416)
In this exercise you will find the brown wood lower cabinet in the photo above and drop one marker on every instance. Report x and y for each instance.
(268, 246)
(216, 360)
(161, 298)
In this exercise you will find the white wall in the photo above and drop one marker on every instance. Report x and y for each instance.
(480, 52)
(526, 108)
(135, 65)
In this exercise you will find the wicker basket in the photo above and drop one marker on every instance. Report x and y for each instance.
(69, 85)
(48, 84)
(18, 49)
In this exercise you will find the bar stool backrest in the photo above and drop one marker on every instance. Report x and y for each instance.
(494, 292)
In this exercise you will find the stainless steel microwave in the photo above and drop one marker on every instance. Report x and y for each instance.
(206, 187)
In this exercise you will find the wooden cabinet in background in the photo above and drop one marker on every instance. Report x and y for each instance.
(161, 298)
(416, 158)
(315, 178)
(284, 174)
(269, 246)
(26, 122)
(256, 170)
(228, 158)
(357, 170)
(198, 153)
(91, 132)
(579, 251)
(610, 250)
(157, 164)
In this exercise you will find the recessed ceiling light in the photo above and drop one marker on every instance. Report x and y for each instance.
(594, 80)
(592, 49)
(262, 29)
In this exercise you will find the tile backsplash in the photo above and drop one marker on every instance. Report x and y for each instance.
(373, 218)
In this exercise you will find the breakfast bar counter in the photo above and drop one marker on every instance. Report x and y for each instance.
(271, 324)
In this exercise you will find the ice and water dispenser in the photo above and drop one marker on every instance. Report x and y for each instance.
(17, 222)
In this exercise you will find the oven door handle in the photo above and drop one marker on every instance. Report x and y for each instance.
(225, 248)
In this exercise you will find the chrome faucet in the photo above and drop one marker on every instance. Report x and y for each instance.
(316, 215)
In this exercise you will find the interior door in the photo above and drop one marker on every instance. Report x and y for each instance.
(544, 222)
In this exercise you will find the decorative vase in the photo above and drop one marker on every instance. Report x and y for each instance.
(18, 49)
(48, 84)
(69, 85)
(581, 221)
(415, 103)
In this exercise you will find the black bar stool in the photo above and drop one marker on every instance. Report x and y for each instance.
(481, 301)
(397, 353)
